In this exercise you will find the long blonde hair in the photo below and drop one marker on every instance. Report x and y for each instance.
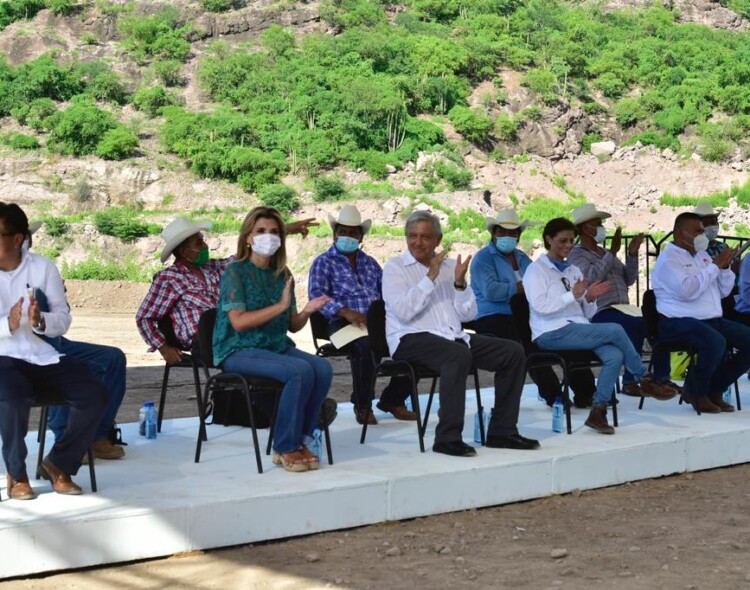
(278, 260)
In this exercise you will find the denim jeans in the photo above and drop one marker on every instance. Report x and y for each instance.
(608, 341)
(306, 378)
(712, 373)
(106, 364)
(635, 328)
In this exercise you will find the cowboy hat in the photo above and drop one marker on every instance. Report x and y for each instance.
(34, 226)
(704, 209)
(507, 218)
(350, 216)
(586, 213)
(177, 232)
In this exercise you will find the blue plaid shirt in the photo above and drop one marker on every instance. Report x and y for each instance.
(331, 274)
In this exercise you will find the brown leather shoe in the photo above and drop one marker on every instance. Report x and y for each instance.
(705, 405)
(60, 481)
(365, 415)
(717, 399)
(103, 449)
(632, 389)
(650, 388)
(400, 413)
(598, 420)
(20, 489)
(673, 385)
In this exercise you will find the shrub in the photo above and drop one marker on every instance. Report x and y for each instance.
(120, 223)
(95, 269)
(329, 188)
(152, 100)
(656, 139)
(216, 5)
(82, 190)
(457, 178)
(506, 128)
(78, 129)
(280, 196)
(106, 86)
(474, 126)
(117, 144)
(588, 139)
(20, 141)
(60, 7)
(169, 71)
(55, 226)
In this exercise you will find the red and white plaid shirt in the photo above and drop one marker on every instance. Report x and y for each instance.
(178, 294)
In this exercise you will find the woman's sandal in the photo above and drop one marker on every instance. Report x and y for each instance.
(313, 462)
(293, 461)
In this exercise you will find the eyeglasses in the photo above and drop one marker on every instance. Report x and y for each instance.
(7, 234)
(566, 282)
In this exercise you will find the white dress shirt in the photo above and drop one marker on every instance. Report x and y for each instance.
(688, 286)
(38, 273)
(413, 303)
(552, 304)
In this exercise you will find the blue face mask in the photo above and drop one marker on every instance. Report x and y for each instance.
(506, 244)
(346, 245)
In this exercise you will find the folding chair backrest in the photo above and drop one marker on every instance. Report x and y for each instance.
(650, 315)
(319, 326)
(205, 337)
(376, 329)
(519, 309)
(727, 304)
(166, 328)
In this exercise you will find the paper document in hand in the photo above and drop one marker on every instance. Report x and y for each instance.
(628, 309)
(347, 334)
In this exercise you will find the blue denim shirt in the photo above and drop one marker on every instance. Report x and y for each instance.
(493, 279)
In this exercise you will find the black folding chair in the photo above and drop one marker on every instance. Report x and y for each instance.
(186, 362)
(323, 348)
(568, 360)
(248, 385)
(651, 318)
(390, 368)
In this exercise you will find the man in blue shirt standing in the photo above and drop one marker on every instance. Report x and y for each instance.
(353, 280)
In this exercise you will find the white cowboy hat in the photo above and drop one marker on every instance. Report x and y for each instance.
(507, 218)
(34, 226)
(586, 213)
(177, 232)
(704, 209)
(350, 216)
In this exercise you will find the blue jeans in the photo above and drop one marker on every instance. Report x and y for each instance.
(635, 328)
(306, 378)
(712, 373)
(106, 364)
(609, 342)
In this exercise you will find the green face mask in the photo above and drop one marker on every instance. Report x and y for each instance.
(202, 257)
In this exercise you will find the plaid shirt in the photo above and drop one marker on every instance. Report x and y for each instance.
(178, 294)
(332, 274)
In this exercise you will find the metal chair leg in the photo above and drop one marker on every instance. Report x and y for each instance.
(163, 398)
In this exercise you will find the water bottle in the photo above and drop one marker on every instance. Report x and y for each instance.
(408, 404)
(316, 444)
(727, 395)
(557, 415)
(484, 416)
(150, 425)
(142, 420)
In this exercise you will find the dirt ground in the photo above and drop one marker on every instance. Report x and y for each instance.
(688, 531)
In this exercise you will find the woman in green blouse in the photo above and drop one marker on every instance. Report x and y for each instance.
(256, 309)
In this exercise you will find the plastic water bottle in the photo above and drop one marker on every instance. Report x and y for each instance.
(408, 404)
(485, 416)
(316, 444)
(557, 415)
(727, 395)
(142, 420)
(150, 425)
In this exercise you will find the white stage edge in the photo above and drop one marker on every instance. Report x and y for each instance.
(158, 502)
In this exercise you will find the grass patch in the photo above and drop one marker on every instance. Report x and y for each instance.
(96, 269)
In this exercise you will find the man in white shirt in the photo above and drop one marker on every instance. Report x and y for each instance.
(426, 300)
(28, 363)
(689, 286)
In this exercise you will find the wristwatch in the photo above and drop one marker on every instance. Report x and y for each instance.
(459, 287)
(41, 326)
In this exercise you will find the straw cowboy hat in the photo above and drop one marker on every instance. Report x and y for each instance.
(34, 226)
(586, 213)
(705, 209)
(350, 216)
(507, 218)
(177, 232)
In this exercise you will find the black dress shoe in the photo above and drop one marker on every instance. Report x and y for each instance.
(455, 448)
(513, 441)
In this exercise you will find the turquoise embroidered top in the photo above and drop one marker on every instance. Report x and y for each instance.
(245, 287)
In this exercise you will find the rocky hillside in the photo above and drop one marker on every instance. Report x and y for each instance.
(542, 155)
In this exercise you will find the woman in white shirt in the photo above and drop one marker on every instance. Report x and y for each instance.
(561, 303)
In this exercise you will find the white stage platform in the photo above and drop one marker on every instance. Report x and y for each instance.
(157, 501)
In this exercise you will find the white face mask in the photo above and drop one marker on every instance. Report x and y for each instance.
(601, 234)
(711, 231)
(266, 245)
(700, 242)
